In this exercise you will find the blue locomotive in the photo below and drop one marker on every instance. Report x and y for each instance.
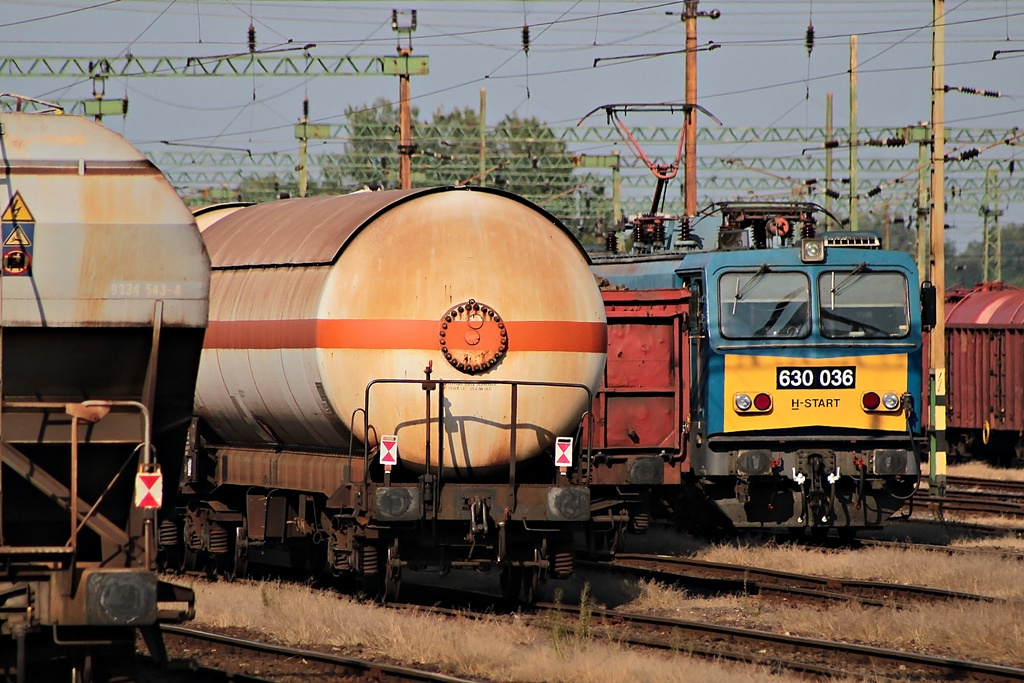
(790, 371)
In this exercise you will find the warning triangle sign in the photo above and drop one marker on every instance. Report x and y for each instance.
(17, 211)
(149, 492)
(17, 238)
(563, 453)
(389, 450)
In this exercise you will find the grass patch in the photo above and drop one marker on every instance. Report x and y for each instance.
(492, 648)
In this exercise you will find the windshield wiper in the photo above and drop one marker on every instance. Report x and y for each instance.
(749, 284)
(861, 268)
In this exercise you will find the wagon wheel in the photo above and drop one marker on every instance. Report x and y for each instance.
(511, 581)
(189, 558)
(240, 566)
(537, 581)
(617, 538)
(536, 585)
(392, 574)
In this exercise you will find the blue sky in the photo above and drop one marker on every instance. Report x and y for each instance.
(760, 76)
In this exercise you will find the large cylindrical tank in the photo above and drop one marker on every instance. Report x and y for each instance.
(312, 299)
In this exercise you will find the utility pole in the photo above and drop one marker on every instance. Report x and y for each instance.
(483, 137)
(993, 258)
(937, 263)
(606, 161)
(853, 133)
(690, 15)
(828, 153)
(406, 148)
(920, 135)
(303, 132)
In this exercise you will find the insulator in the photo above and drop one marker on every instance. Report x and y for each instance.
(252, 38)
(305, 108)
(808, 229)
(875, 191)
(968, 154)
(972, 91)
(684, 228)
(831, 144)
(1013, 164)
(526, 39)
(611, 242)
(659, 233)
(834, 194)
(809, 39)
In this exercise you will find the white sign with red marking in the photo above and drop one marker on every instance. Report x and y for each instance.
(563, 451)
(149, 489)
(388, 450)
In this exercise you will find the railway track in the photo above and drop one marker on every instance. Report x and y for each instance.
(243, 659)
(979, 496)
(994, 553)
(797, 654)
(700, 575)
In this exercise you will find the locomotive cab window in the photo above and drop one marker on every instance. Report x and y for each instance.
(862, 303)
(764, 304)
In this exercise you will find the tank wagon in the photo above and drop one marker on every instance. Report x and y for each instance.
(383, 386)
(985, 373)
(104, 282)
(772, 380)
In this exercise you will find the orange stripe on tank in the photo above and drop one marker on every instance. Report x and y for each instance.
(579, 337)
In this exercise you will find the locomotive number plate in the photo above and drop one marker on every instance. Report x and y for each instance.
(844, 377)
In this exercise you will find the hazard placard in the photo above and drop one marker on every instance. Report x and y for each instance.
(16, 236)
(17, 211)
(16, 262)
(17, 225)
(563, 451)
(388, 449)
(149, 489)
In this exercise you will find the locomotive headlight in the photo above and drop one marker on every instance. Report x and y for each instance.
(812, 250)
(761, 403)
(890, 401)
